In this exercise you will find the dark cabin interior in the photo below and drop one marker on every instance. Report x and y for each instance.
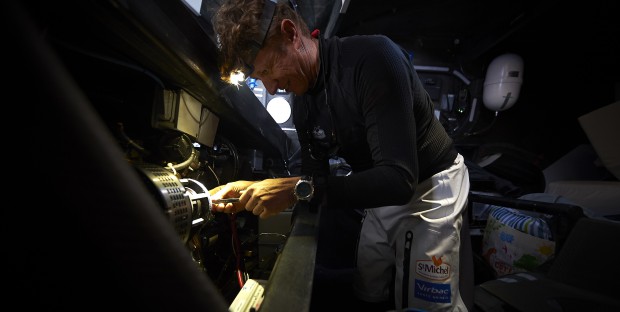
(99, 71)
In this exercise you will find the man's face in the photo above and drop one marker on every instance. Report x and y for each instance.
(278, 66)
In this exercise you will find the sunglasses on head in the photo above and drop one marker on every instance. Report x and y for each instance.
(265, 21)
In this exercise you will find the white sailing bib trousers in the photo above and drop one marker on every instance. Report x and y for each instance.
(419, 242)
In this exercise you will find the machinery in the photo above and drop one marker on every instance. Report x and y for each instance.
(129, 107)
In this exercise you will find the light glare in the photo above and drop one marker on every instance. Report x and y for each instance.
(236, 77)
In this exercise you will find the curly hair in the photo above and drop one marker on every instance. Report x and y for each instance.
(237, 26)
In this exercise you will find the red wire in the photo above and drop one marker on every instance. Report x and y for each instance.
(239, 278)
(236, 248)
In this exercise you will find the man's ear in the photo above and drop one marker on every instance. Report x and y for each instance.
(289, 30)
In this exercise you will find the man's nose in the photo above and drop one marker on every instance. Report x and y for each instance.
(271, 86)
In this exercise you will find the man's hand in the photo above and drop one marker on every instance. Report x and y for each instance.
(229, 190)
(263, 198)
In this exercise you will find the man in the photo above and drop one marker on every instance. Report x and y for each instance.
(358, 98)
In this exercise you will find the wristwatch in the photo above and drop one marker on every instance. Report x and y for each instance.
(304, 189)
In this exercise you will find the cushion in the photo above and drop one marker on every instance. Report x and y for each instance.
(597, 198)
(602, 126)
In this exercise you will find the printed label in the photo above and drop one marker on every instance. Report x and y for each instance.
(434, 269)
(432, 292)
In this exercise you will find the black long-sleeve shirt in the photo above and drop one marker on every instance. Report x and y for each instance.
(382, 120)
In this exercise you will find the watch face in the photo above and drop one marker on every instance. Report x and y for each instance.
(304, 189)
